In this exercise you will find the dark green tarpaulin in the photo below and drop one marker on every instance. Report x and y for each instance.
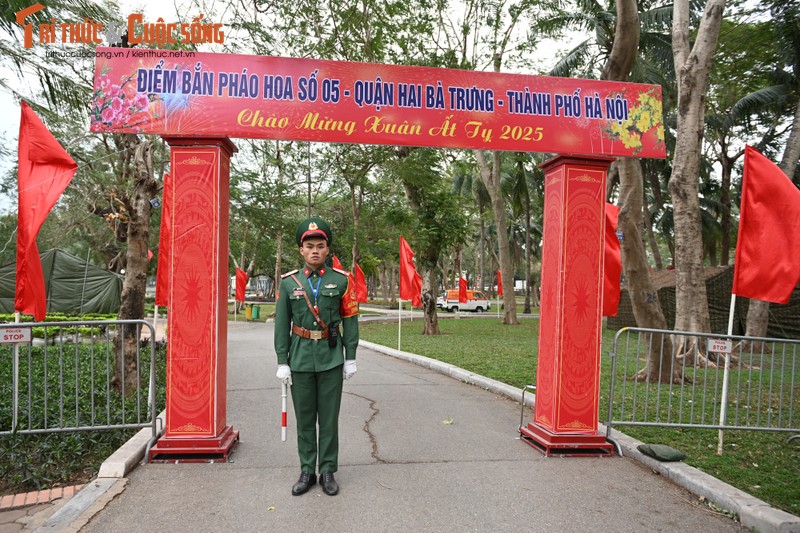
(73, 286)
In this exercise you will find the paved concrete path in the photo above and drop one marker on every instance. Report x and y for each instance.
(419, 452)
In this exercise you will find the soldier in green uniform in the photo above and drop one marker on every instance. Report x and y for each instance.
(316, 335)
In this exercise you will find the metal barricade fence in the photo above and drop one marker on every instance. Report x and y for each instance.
(77, 376)
(763, 381)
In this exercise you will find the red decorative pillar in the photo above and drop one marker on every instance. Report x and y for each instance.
(197, 357)
(570, 327)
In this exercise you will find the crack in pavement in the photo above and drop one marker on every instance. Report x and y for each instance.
(373, 441)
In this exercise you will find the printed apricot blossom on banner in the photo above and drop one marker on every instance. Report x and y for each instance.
(643, 118)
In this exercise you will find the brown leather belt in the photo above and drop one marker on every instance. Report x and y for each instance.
(310, 334)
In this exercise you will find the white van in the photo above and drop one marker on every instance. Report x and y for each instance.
(476, 301)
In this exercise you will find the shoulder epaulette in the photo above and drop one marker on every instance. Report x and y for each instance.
(340, 271)
(295, 271)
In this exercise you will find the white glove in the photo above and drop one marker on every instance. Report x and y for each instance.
(284, 374)
(349, 368)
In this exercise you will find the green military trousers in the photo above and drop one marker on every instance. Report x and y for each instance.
(317, 397)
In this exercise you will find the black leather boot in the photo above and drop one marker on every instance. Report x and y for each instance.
(329, 485)
(306, 481)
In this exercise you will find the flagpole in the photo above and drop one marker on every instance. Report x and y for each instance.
(15, 385)
(399, 318)
(723, 411)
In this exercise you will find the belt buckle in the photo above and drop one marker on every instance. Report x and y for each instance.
(315, 335)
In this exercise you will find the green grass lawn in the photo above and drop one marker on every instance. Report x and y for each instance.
(759, 463)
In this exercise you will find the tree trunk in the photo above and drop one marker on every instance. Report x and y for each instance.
(725, 199)
(527, 307)
(355, 207)
(278, 255)
(392, 283)
(429, 292)
(692, 67)
(482, 246)
(491, 179)
(651, 236)
(385, 286)
(135, 282)
(644, 297)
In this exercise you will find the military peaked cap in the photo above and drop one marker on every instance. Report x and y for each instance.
(313, 227)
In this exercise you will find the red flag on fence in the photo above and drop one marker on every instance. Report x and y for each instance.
(499, 284)
(361, 285)
(462, 291)
(410, 280)
(767, 264)
(164, 235)
(44, 171)
(613, 263)
(241, 284)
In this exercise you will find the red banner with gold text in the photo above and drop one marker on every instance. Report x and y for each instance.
(184, 93)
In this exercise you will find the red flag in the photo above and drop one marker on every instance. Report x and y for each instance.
(45, 170)
(612, 269)
(410, 280)
(416, 295)
(361, 285)
(338, 264)
(767, 264)
(241, 284)
(163, 265)
(499, 284)
(462, 291)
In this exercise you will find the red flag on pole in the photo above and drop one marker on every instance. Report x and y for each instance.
(462, 291)
(44, 171)
(767, 264)
(416, 296)
(410, 280)
(361, 285)
(163, 264)
(499, 284)
(353, 280)
(241, 284)
(612, 269)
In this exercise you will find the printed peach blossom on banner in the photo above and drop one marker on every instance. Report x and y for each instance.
(118, 105)
(644, 123)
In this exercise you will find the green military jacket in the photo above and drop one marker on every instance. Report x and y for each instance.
(337, 306)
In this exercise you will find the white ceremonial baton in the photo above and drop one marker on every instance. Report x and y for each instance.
(283, 410)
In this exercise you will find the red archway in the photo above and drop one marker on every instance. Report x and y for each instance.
(198, 100)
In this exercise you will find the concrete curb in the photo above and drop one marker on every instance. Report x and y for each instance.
(753, 513)
(109, 482)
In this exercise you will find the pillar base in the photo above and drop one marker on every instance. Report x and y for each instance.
(565, 445)
(195, 449)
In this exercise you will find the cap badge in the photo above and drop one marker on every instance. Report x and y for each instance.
(312, 225)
